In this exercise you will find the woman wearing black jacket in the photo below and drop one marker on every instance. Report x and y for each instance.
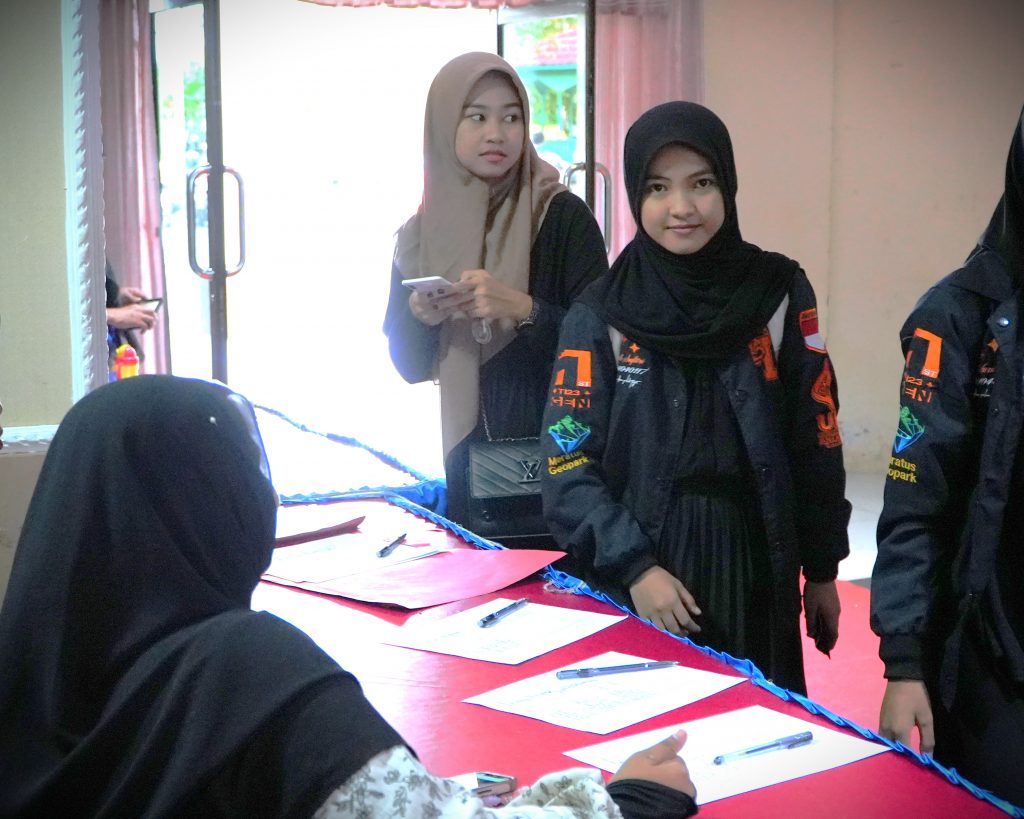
(947, 598)
(693, 458)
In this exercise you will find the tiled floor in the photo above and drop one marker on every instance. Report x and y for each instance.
(864, 491)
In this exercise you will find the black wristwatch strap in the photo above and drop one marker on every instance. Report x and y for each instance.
(531, 319)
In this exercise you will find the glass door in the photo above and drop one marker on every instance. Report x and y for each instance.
(551, 48)
(322, 114)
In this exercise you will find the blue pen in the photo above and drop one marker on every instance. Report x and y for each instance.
(494, 617)
(780, 744)
(574, 673)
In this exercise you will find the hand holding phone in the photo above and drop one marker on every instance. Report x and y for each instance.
(434, 299)
(432, 287)
(153, 304)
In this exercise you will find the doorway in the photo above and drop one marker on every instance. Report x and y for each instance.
(326, 138)
(320, 136)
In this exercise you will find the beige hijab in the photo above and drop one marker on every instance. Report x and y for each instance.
(464, 223)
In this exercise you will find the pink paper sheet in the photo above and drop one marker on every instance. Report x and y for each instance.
(441, 578)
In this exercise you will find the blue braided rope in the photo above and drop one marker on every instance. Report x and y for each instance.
(569, 583)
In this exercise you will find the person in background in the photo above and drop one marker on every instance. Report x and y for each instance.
(135, 680)
(518, 248)
(705, 469)
(126, 316)
(947, 597)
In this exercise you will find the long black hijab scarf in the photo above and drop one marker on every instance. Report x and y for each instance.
(131, 668)
(702, 305)
(1005, 231)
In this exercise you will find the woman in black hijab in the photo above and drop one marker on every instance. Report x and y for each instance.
(694, 459)
(946, 594)
(135, 681)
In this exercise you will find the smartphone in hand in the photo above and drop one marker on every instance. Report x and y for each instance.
(151, 304)
(432, 287)
(486, 783)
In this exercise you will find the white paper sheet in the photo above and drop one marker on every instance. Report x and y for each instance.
(605, 703)
(336, 629)
(533, 630)
(733, 731)
(321, 560)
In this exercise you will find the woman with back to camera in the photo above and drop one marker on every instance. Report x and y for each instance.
(137, 683)
(516, 245)
(706, 470)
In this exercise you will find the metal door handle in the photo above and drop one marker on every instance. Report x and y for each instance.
(190, 215)
(190, 211)
(606, 188)
(241, 221)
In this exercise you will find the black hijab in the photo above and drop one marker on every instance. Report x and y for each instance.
(1005, 231)
(701, 305)
(131, 668)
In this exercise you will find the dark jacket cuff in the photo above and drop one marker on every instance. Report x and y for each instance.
(641, 799)
(821, 574)
(901, 654)
(641, 565)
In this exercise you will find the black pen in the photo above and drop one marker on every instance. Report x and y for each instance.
(391, 546)
(494, 617)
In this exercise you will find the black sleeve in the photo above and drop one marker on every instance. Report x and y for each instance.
(302, 755)
(813, 440)
(927, 480)
(568, 254)
(412, 344)
(584, 515)
(640, 799)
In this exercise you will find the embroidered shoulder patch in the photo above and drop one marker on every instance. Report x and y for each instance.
(763, 356)
(908, 432)
(813, 339)
(928, 360)
(573, 379)
(569, 434)
(828, 421)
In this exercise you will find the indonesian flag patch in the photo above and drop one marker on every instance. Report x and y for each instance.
(809, 330)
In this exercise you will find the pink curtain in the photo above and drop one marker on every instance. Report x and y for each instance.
(647, 52)
(131, 184)
(433, 4)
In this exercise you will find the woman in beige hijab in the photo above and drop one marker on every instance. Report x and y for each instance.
(518, 248)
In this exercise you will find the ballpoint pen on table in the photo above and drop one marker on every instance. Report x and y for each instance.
(391, 546)
(573, 673)
(780, 744)
(494, 617)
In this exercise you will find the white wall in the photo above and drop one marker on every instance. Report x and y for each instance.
(871, 139)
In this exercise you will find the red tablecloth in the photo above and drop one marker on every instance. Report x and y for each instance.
(421, 694)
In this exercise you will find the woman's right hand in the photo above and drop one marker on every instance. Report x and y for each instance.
(659, 597)
(904, 706)
(433, 311)
(131, 317)
(660, 763)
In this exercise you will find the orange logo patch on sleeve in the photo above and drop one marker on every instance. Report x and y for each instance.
(582, 367)
(828, 421)
(932, 354)
(764, 356)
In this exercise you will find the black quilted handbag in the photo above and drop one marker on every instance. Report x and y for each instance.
(504, 489)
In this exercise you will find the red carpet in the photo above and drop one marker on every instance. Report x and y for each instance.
(849, 684)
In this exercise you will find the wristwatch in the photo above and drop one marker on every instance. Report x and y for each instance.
(531, 318)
